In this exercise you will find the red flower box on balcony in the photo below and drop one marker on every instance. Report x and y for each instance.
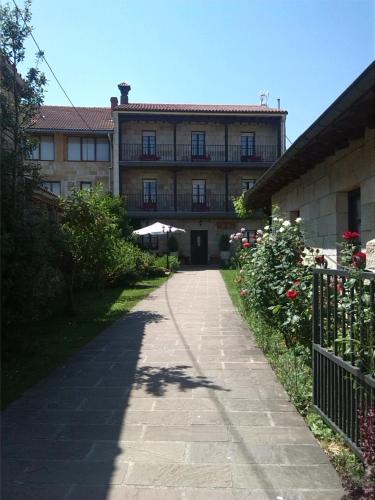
(201, 157)
(144, 157)
(151, 205)
(251, 158)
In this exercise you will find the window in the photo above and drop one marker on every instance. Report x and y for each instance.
(354, 210)
(88, 149)
(85, 185)
(149, 191)
(45, 149)
(198, 143)
(150, 242)
(247, 143)
(199, 191)
(148, 142)
(53, 186)
(247, 184)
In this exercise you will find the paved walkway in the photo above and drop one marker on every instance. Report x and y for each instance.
(172, 402)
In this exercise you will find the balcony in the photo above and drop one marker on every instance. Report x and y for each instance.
(179, 203)
(262, 153)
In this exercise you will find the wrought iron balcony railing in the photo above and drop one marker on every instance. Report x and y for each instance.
(181, 202)
(209, 153)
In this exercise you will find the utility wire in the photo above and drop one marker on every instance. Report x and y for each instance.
(41, 54)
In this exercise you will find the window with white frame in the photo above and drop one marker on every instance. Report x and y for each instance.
(247, 184)
(85, 185)
(149, 190)
(53, 186)
(199, 191)
(44, 149)
(88, 149)
(148, 142)
(247, 143)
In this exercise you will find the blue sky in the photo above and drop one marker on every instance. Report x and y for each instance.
(305, 52)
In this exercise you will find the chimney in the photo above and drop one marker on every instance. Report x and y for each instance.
(114, 102)
(278, 103)
(124, 90)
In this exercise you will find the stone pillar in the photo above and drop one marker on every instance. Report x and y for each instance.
(370, 255)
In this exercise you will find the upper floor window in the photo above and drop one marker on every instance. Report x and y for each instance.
(199, 191)
(148, 142)
(198, 143)
(85, 185)
(247, 143)
(88, 149)
(149, 190)
(44, 150)
(354, 210)
(53, 186)
(247, 184)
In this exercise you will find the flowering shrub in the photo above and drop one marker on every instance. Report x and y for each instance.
(278, 286)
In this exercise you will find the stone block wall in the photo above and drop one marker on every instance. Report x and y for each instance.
(321, 195)
(71, 173)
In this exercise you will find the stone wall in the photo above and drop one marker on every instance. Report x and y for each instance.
(131, 180)
(72, 173)
(321, 195)
(214, 227)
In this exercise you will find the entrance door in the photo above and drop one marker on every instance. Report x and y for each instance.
(198, 241)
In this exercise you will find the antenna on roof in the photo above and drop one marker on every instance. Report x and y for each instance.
(264, 94)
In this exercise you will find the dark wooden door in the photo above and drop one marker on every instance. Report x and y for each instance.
(199, 254)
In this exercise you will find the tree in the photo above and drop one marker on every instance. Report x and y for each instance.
(28, 251)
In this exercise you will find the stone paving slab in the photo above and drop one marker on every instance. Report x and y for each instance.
(174, 401)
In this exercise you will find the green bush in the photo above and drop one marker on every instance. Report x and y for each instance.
(277, 282)
(174, 263)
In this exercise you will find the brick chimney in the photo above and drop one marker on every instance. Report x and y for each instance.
(124, 89)
(114, 102)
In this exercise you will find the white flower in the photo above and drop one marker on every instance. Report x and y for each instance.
(243, 229)
(275, 219)
(298, 220)
(230, 241)
(266, 228)
(259, 240)
(282, 229)
(244, 240)
(242, 271)
(286, 223)
(239, 235)
(260, 232)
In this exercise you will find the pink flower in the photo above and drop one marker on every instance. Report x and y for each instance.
(350, 235)
(243, 293)
(246, 245)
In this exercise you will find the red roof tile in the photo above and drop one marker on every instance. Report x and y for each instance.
(199, 108)
(75, 119)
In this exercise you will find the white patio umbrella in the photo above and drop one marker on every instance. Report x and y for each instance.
(158, 229)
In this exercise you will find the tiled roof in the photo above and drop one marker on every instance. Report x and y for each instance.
(199, 108)
(76, 119)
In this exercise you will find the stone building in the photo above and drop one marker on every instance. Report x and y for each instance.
(327, 176)
(74, 147)
(181, 164)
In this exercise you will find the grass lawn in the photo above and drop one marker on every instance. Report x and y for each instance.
(228, 277)
(51, 341)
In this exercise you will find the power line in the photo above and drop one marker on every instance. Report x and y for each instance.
(41, 54)
(290, 142)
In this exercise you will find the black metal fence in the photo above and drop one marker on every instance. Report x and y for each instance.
(207, 153)
(343, 349)
(181, 202)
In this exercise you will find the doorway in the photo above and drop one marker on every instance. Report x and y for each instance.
(199, 247)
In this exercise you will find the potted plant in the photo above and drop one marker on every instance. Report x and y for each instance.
(172, 246)
(224, 247)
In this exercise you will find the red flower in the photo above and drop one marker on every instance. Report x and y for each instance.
(359, 259)
(246, 245)
(292, 294)
(350, 235)
(340, 288)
